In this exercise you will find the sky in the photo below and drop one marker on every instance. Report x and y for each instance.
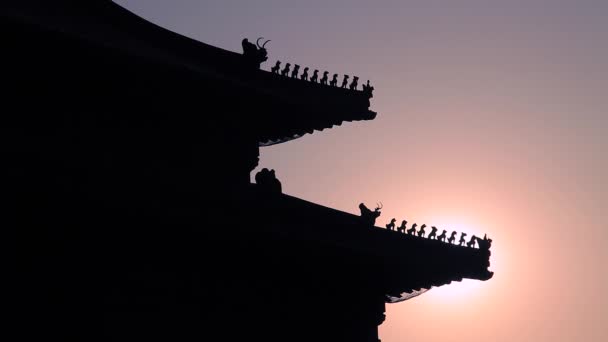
(492, 118)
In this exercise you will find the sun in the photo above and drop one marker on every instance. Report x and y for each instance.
(457, 291)
(465, 291)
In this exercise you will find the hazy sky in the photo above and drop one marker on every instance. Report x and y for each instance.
(493, 118)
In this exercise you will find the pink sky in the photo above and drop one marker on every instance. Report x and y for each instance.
(493, 118)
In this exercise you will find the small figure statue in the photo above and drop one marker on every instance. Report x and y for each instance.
(412, 231)
(268, 181)
(369, 217)
(305, 75)
(344, 82)
(401, 228)
(391, 226)
(452, 237)
(248, 48)
(462, 241)
(324, 78)
(354, 83)
(296, 70)
(484, 244)
(254, 53)
(315, 76)
(421, 232)
(442, 236)
(368, 89)
(285, 71)
(433, 233)
(276, 68)
(334, 81)
(471, 242)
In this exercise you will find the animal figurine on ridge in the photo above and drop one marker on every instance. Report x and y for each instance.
(369, 217)
(433, 233)
(442, 236)
(391, 226)
(296, 70)
(334, 81)
(402, 227)
(276, 68)
(354, 83)
(421, 232)
(412, 231)
(462, 240)
(452, 237)
(471, 242)
(315, 76)
(324, 78)
(344, 82)
(285, 71)
(304, 76)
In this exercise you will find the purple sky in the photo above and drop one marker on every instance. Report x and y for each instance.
(493, 118)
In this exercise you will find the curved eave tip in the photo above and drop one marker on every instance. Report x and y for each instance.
(370, 115)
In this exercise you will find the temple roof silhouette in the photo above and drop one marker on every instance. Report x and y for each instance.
(409, 263)
(293, 107)
(130, 163)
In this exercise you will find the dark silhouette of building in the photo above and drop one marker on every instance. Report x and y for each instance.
(129, 151)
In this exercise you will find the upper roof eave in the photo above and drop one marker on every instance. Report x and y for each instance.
(107, 25)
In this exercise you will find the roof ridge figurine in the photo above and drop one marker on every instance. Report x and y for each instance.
(254, 53)
(369, 217)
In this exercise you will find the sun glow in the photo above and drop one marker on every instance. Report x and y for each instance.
(467, 289)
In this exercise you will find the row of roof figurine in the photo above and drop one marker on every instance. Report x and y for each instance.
(369, 218)
(314, 78)
(483, 243)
